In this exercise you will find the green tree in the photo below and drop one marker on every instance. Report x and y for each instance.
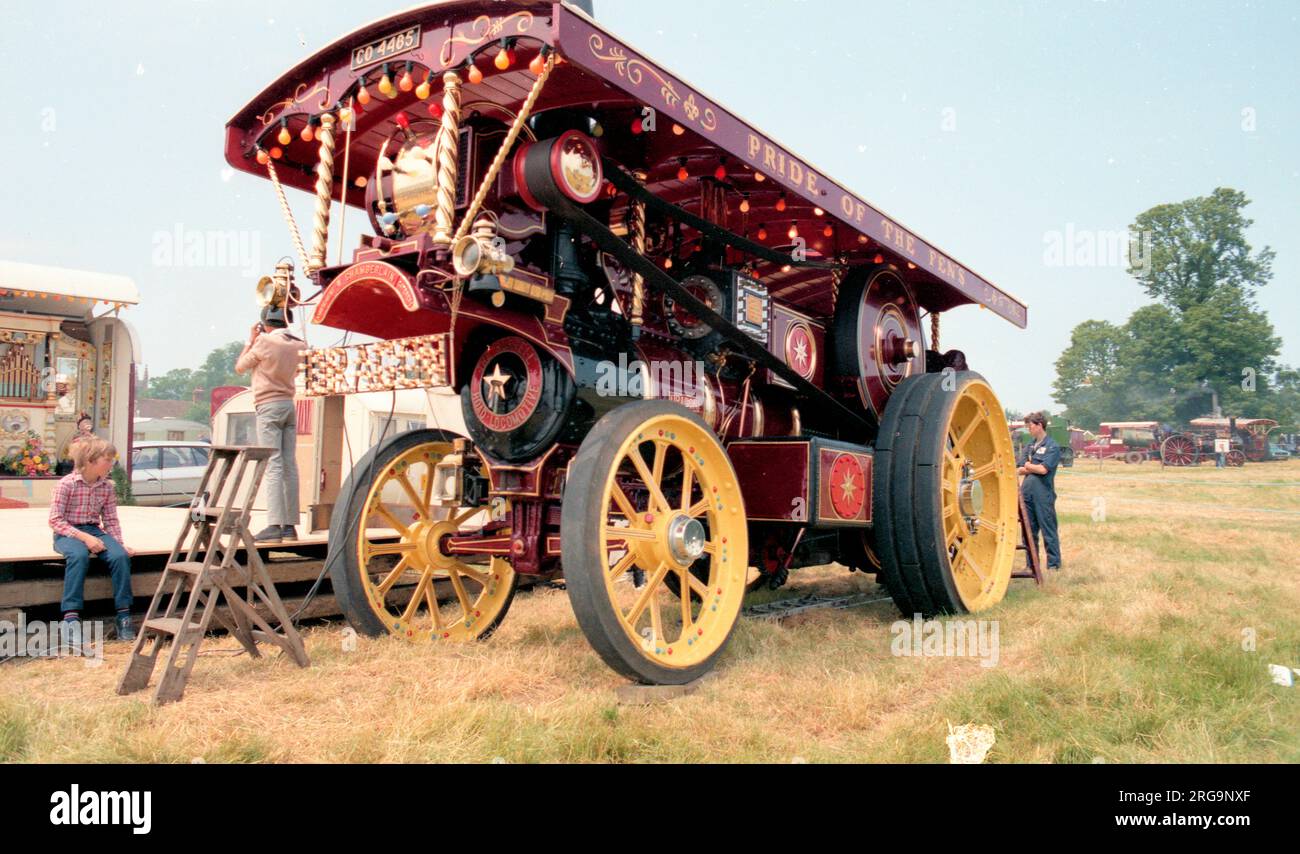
(217, 370)
(1089, 378)
(1203, 340)
(1192, 249)
(173, 385)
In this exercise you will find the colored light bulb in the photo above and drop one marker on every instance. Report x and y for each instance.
(435, 109)
(276, 152)
(637, 126)
(794, 232)
(744, 206)
(407, 83)
(475, 76)
(285, 137)
(762, 232)
(363, 95)
(361, 181)
(828, 232)
(307, 134)
(262, 157)
(505, 59)
(760, 177)
(538, 65)
(386, 85)
(720, 173)
(423, 90)
(678, 130)
(780, 204)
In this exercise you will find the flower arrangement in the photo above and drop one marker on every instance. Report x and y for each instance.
(31, 460)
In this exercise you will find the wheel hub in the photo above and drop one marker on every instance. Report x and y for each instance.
(685, 539)
(428, 537)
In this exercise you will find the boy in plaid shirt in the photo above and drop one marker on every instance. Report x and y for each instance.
(83, 516)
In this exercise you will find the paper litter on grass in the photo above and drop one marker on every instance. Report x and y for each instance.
(968, 744)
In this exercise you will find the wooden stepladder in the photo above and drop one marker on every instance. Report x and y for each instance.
(1029, 545)
(204, 568)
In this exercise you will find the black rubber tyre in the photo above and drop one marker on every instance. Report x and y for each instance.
(907, 495)
(345, 526)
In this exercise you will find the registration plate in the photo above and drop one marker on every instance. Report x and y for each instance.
(386, 48)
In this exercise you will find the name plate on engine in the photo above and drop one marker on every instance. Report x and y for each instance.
(405, 363)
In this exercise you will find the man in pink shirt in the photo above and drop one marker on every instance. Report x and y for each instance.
(272, 355)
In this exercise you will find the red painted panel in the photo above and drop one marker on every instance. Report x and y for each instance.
(775, 478)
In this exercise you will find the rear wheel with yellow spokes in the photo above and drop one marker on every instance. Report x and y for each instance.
(391, 560)
(653, 490)
(945, 496)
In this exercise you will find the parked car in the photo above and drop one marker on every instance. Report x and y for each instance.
(1278, 452)
(164, 474)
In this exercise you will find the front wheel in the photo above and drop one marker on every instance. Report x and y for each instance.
(652, 489)
(388, 557)
(945, 496)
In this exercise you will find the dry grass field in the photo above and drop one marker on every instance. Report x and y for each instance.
(1138, 652)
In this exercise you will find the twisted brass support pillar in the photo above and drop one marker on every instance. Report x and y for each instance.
(636, 228)
(324, 194)
(448, 160)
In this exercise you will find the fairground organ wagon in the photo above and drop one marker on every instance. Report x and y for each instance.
(682, 351)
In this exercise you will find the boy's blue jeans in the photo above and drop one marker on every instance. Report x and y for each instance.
(78, 557)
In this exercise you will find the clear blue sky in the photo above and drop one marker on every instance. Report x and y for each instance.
(982, 126)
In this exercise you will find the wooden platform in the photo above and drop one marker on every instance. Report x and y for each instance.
(25, 533)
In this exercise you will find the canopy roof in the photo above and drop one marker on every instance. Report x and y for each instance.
(602, 75)
(18, 279)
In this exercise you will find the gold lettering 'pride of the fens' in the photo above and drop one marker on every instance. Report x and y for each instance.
(776, 162)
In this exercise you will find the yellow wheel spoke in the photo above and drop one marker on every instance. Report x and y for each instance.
(688, 483)
(459, 586)
(656, 623)
(987, 524)
(426, 487)
(414, 604)
(974, 567)
(949, 537)
(389, 549)
(698, 586)
(656, 494)
(630, 533)
(405, 483)
(699, 508)
(950, 459)
(387, 584)
(391, 520)
(647, 594)
(469, 513)
(985, 470)
(661, 456)
(470, 572)
(710, 549)
(432, 601)
(624, 503)
(961, 441)
(685, 592)
(623, 565)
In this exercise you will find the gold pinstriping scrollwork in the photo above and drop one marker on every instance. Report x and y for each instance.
(485, 28)
(300, 95)
(635, 70)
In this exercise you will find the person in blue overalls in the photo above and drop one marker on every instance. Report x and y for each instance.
(1038, 466)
